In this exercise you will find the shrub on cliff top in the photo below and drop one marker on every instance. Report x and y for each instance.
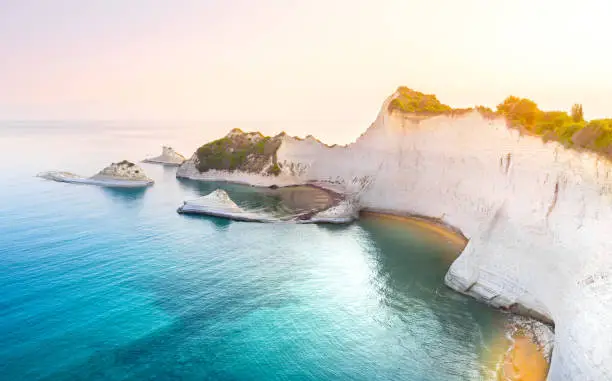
(577, 113)
(412, 101)
(274, 169)
(570, 130)
(519, 111)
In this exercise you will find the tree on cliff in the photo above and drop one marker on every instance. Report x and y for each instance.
(519, 111)
(577, 113)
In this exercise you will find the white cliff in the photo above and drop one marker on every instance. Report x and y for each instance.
(168, 157)
(537, 215)
(118, 175)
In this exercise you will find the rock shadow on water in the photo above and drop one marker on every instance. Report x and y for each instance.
(129, 196)
(221, 224)
(334, 228)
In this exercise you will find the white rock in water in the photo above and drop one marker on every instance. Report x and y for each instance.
(344, 212)
(168, 157)
(538, 216)
(120, 175)
(219, 204)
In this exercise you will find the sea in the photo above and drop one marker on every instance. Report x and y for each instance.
(104, 284)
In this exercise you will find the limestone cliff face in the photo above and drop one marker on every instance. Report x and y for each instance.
(537, 216)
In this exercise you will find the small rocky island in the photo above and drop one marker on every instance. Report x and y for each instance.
(123, 174)
(168, 157)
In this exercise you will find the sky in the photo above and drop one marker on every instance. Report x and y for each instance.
(312, 61)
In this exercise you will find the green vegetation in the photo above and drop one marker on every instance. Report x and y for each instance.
(274, 169)
(246, 152)
(577, 114)
(416, 102)
(570, 130)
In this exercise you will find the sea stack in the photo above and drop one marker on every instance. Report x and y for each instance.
(168, 157)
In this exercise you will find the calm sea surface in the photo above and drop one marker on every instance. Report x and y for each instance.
(99, 284)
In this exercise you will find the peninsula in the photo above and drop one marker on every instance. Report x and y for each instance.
(531, 190)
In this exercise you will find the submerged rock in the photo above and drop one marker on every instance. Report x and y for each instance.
(168, 157)
(124, 174)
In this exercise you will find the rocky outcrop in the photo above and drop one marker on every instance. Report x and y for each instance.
(124, 170)
(219, 204)
(344, 212)
(248, 158)
(239, 151)
(537, 215)
(168, 157)
(123, 174)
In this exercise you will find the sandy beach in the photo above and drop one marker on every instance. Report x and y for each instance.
(440, 230)
(523, 359)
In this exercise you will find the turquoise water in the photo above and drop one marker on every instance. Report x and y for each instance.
(97, 284)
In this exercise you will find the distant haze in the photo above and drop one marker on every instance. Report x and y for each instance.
(307, 62)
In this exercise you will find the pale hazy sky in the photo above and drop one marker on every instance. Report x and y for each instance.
(296, 60)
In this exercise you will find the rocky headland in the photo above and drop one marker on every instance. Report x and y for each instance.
(530, 190)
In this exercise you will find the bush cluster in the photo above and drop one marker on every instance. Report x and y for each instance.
(231, 153)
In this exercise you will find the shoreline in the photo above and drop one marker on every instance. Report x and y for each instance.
(523, 361)
(525, 358)
(431, 224)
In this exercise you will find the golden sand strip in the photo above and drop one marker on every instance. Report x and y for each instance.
(523, 361)
(452, 236)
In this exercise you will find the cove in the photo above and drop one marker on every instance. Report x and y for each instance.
(100, 284)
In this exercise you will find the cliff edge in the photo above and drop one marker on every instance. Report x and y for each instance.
(537, 215)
